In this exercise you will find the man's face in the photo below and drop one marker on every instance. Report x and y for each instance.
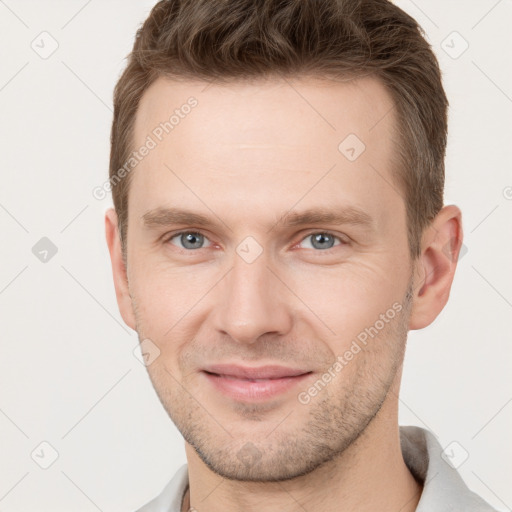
(253, 289)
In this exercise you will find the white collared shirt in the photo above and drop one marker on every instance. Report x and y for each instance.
(443, 488)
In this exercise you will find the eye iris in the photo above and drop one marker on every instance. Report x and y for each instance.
(321, 238)
(191, 240)
(195, 240)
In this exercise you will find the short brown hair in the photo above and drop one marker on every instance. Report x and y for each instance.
(227, 40)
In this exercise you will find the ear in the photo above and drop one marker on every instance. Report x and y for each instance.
(435, 267)
(124, 300)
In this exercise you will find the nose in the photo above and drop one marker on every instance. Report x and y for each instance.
(252, 301)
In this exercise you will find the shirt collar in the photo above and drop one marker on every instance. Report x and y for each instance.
(443, 488)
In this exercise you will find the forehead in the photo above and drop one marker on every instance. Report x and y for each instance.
(244, 145)
(238, 110)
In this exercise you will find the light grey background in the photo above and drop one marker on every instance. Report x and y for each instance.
(68, 374)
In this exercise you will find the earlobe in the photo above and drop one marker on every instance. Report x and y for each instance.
(118, 268)
(435, 267)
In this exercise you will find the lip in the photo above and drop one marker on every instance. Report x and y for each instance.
(254, 372)
(254, 383)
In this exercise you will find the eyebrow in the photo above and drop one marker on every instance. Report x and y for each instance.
(162, 217)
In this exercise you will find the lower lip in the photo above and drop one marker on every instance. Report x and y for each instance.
(244, 389)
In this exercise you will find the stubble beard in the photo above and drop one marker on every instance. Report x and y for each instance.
(335, 419)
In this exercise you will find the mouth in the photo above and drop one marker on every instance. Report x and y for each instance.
(256, 383)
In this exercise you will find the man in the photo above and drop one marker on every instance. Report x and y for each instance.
(277, 175)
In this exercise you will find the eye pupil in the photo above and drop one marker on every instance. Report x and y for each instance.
(321, 238)
(194, 240)
(191, 240)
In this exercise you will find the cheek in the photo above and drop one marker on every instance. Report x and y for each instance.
(349, 298)
(170, 306)
(336, 302)
(164, 294)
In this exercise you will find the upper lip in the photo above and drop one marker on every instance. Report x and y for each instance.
(259, 372)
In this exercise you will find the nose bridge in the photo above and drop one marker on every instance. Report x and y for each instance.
(249, 303)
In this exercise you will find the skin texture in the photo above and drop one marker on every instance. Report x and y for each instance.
(245, 156)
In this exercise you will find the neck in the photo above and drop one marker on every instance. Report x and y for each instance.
(369, 475)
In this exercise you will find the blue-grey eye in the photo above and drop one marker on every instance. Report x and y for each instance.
(190, 239)
(322, 241)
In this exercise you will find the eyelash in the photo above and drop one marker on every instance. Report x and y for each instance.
(324, 251)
